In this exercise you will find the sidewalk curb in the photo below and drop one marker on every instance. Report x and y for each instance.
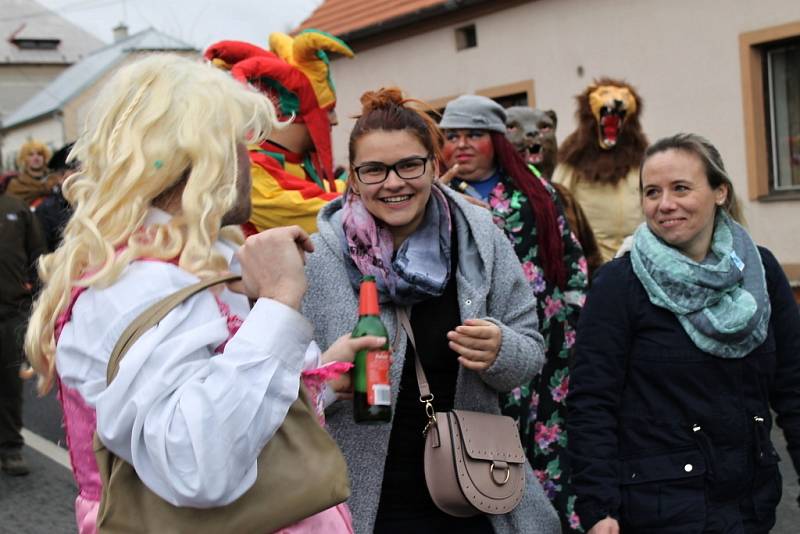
(47, 448)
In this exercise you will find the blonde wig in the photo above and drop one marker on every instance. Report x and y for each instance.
(28, 148)
(159, 122)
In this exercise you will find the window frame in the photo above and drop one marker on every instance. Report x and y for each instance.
(35, 43)
(773, 127)
(466, 37)
(758, 152)
(497, 91)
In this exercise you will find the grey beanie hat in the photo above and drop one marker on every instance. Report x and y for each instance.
(474, 112)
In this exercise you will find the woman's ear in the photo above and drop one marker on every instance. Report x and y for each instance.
(721, 194)
(352, 185)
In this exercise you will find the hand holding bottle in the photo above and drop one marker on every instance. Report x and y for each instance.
(372, 389)
(344, 350)
(477, 342)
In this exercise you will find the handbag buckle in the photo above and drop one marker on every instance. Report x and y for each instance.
(508, 473)
(429, 410)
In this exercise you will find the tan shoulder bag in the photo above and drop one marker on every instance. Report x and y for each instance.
(474, 462)
(300, 471)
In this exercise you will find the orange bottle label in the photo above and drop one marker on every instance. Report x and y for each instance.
(379, 392)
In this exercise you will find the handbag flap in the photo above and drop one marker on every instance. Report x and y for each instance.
(490, 437)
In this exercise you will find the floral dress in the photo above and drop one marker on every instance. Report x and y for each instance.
(540, 407)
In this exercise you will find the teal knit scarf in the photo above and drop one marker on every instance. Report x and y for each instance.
(722, 303)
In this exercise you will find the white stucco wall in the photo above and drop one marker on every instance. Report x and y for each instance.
(681, 55)
(19, 82)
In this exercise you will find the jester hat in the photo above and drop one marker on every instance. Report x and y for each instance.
(295, 75)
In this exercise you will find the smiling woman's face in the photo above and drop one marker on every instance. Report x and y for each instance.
(398, 203)
(678, 202)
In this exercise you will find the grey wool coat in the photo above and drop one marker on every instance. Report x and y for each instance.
(490, 285)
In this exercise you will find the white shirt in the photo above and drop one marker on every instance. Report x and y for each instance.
(192, 425)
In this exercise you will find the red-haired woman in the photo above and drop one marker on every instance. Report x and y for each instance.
(527, 210)
(432, 253)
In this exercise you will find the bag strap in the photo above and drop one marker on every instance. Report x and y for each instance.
(425, 395)
(153, 315)
(422, 380)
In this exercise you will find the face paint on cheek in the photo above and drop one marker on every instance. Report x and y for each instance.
(447, 152)
(484, 150)
(484, 147)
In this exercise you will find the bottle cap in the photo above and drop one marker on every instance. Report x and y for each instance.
(368, 297)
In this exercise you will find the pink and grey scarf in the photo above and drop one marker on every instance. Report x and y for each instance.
(418, 270)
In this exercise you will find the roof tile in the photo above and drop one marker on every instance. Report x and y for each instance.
(344, 16)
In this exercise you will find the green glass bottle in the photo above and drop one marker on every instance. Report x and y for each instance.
(372, 392)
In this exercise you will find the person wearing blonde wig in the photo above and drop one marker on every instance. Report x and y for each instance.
(32, 183)
(164, 168)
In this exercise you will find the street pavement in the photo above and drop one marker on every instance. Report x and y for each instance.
(42, 502)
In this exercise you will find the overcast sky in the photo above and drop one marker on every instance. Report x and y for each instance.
(198, 22)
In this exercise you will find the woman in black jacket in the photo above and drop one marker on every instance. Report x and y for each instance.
(684, 345)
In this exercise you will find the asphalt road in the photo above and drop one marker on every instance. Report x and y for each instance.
(42, 503)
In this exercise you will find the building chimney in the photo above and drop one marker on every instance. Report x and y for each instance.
(120, 32)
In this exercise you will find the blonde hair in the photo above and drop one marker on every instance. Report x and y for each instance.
(28, 148)
(158, 122)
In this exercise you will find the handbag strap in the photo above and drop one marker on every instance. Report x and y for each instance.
(422, 380)
(153, 315)
(425, 395)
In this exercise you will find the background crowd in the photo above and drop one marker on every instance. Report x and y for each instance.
(605, 294)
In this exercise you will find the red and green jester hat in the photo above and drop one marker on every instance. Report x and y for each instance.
(289, 188)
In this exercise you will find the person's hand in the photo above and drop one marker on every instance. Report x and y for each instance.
(344, 350)
(477, 342)
(609, 525)
(447, 177)
(26, 372)
(272, 264)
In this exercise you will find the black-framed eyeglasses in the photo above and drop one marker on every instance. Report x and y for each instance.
(407, 168)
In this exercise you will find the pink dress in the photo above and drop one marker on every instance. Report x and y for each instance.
(80, 423)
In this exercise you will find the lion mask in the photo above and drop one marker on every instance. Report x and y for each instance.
(608, 141)
(611, 105)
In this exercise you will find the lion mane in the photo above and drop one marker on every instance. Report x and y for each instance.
(582, 152)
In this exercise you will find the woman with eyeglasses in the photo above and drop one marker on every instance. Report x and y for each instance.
(472, 314)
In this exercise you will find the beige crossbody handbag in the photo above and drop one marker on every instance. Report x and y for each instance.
(300, 471)
(474, 462)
